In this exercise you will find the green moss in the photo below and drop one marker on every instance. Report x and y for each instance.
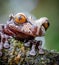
(9, 55)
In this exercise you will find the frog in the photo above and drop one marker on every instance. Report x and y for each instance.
(22, 28)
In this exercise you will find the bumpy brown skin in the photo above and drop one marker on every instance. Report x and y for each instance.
(17, 31)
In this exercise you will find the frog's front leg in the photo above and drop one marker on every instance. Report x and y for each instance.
(40, 50)
(40, 44)
(33, 51)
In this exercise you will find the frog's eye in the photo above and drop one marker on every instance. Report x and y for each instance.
(20, 18)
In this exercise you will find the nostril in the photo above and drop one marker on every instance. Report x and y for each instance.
(48, 24)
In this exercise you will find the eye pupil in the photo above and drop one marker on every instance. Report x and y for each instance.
(19, 17)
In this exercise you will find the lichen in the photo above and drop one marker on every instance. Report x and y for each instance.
(18, 54)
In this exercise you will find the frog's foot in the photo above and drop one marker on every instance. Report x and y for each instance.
(33, 52)
(27, 44)
(41, 51)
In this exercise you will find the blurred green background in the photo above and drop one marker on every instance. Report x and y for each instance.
(37, 9)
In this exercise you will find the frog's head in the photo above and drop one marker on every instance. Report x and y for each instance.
(21, 26)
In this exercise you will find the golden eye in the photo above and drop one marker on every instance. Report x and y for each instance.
(20, 18)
